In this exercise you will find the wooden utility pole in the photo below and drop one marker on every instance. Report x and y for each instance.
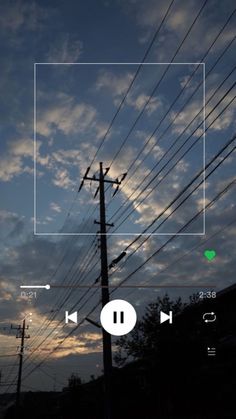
(107, 352)
(20, 335)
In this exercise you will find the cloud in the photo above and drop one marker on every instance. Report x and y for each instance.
(55, 207)
(146, 14)
(62, 179)
(158, 198)
(179, 17)
(23, 147)
(61, 162)
(12, 161)
(11, 167)
(12, 227)
(7, 216)
(62, 115)
(186, 116)
(6, 288)
(17, 15)
(86, 344)
(18, 229)
(65, 49)
(140, 101)
(148, 17)
(227, 117)
(34, 255)
(67, 157)
(117, 85)
(66, 115)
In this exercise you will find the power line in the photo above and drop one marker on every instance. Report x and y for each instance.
(176, 199)
(172, 237)
(216, 117)
(178, 137)
(172, 145)
(56, 327)
(59, 266)
(44, 325)
(138, 70)
(63, 340)
(159, 82)
(184, 255)
(107, 355)
(218, 196)
(175, 100)
(106, 337)
(148, 50)
(125, 96)
(133, 80)
(192, 191)
(214, 169)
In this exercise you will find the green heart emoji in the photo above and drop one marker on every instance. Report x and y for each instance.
(210, 254)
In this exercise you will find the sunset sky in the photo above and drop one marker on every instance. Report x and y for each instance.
(161, 117)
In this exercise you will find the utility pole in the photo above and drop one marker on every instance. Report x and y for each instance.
(20, 335)
(107, 351)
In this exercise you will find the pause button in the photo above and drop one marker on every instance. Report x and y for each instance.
(121, 314)
(118, 317)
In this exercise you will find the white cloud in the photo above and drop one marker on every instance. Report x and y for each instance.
(10, 167)
(12, 161)
(23, 147)
(43, 160)
(186, 116)
(148, 15)
(62, 179)
(67, 157)
(140, 101)
(117, 85)
(61, 161)
(66, 116)
(228, 116)
(55, 207)
(158, 199)
(82, 346)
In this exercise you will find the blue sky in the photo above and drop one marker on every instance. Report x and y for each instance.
(75, 105)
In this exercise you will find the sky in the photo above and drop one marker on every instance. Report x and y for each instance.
(65, 70)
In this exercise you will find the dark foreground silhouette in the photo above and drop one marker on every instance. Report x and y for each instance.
(171, 375)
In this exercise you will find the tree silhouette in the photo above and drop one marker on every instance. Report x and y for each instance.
(144, 341)
(74, 382)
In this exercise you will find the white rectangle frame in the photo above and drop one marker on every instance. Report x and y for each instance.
(124, 234)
